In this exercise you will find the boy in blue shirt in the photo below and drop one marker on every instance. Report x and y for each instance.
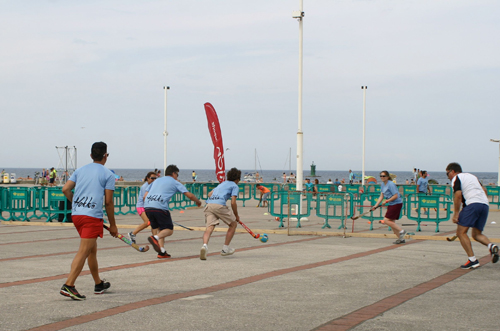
(156, 206)
(216, 210)
(93, 183)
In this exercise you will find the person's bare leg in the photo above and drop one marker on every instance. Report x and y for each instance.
(144, 225)
(86, 246)
(94, 265)
(480, 237)
(207, 234)
(230, 233)
(395, 228)
(464, 240)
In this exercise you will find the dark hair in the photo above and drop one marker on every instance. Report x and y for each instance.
(233, 174)
(258, 185)
(455, 167)
(149, 175)
(98, 150)
(385, 172)
(171, 169)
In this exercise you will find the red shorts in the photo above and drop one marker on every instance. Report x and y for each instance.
(394, 211)
(88, 227)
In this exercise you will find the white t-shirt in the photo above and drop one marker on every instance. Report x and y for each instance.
(472, 191)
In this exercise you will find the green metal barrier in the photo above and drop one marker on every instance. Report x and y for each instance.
(408, 190)
(366, 202)
(372, 188)
(18, 202)
(131, 194)
(245, 192)
(441, 189)
(334, 206)
(493, 192)
(3, 202)
(54, 197)
(119, 199)
(428, 209)
(293, 201)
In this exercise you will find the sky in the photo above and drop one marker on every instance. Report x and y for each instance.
(76, 72)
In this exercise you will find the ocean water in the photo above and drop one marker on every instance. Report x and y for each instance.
(270, 176)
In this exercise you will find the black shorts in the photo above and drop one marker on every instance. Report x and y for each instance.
(51, 180)
(159, 218)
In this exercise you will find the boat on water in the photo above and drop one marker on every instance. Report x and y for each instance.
(250, 177)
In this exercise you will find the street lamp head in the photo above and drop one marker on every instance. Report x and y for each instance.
(495, 140)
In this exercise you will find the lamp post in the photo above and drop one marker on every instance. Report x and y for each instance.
(299, 15)
(165, 133)
(497, 141)
(364, 88)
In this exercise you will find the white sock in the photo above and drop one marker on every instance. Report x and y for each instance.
(205, 245)
(156, 237)
(489, 245)
(402, 231)
(472, 258)
(225, 248)
(163, 250)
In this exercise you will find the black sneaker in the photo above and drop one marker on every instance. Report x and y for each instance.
(399, 241)
(163, 255)
(494, 253)
(101, 287)
(470, 265)
(70, 291)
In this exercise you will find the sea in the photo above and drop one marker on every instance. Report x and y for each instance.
(270, 176)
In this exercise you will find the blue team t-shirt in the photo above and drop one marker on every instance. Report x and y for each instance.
(142, 191)
(422, 183)
(223, 192)
(309, 186)
(91, 181)
(161, 190)
(389, 190)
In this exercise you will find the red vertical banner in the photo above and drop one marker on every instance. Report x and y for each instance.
(215, 133)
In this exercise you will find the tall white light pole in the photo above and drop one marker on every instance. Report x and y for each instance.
(364, 88)
(497, 141)
(299, 15)
(165, 133)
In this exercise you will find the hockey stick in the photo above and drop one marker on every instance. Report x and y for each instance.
(452, 238)
(182, 226)
(361, 215)
(256, 236)
(128, 242)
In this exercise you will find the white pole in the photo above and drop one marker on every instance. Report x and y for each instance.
(364, 88)
(165, 133)
(300, 137)
(497, 141)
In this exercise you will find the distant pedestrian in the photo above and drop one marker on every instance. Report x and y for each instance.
(351, 175)
(264, 194)
(389, 191)
(94, 186)
(194, 176)
(53, 176)
(470, 196)
(216, 210)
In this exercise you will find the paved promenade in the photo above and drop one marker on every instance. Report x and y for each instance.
(293, 282)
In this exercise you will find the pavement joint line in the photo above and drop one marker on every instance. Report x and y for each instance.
(99, 249)
(211, 289)
(140, 264)
(438, 236)
(366, 313)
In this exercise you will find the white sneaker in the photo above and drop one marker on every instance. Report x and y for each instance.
(229, 251)
(203, 252)
(132, 237)
(402, 235)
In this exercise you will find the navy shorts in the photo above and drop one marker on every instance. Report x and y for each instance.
(394, 211)
(159, 218)
(474, 216)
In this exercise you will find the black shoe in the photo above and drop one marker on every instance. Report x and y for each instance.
(70, 291)
(163, 255)
(101, 287)
(494, 253)
(470, 265)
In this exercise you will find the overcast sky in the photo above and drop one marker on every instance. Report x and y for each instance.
(76, 72)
